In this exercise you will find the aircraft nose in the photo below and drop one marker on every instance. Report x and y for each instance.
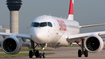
(40, 37)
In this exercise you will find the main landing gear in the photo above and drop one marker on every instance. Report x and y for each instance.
(83, 50)
(36, 52)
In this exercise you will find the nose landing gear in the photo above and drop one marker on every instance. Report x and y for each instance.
(36, 52)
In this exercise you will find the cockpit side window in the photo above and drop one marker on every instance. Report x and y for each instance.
(49, 24)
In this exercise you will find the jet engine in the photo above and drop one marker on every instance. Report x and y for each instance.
(11, 45)
(93, 43)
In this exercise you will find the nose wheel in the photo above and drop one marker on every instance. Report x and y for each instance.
(30, 54)
(39, 55)
(36, 52)
(42, 55)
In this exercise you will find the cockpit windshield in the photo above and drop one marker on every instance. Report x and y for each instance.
(35, 24)
(42, 24)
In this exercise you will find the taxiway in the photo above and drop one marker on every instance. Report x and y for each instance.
(66, 53)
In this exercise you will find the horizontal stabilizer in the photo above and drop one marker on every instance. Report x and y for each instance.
(94, 25)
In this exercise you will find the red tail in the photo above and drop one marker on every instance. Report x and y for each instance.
(71, 7)
(71, 10)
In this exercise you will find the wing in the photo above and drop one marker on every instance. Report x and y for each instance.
(78, 37)
(23, 36)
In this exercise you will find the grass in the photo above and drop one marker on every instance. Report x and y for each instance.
(27, 49)
(2, 55)
(73, 46)
(1, 50)
(76, 46)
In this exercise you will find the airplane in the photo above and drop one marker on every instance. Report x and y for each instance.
(53, 31)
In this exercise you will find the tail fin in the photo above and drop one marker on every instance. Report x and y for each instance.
(71, 10)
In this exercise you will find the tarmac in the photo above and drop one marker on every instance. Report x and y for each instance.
(65, 53)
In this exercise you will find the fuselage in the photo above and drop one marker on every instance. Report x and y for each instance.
(52, 30)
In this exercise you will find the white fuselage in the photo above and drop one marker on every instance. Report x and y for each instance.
(52, 30)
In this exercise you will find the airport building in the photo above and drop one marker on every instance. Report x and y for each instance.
(5, 29)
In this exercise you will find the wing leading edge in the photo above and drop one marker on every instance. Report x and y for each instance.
(83, 35)
(25, 36)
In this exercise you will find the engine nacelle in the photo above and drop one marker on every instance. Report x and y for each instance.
(11, 45)
(93, 43)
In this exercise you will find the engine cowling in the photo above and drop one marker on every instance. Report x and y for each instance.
(93, 43)
(11, 45)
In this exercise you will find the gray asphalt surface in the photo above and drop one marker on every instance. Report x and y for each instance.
(66, 53)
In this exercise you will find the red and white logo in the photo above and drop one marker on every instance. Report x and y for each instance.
(62, 25)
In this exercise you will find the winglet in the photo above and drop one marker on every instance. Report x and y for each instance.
(71, 10)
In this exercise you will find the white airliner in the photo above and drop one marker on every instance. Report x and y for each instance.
(56, 32)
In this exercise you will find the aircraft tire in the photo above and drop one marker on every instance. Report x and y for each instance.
(79, 53)
(37, 54)
(43, 55)
(30, 54)
(40, 55)
(86, 53)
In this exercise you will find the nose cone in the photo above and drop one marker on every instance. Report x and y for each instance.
(40, 36)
